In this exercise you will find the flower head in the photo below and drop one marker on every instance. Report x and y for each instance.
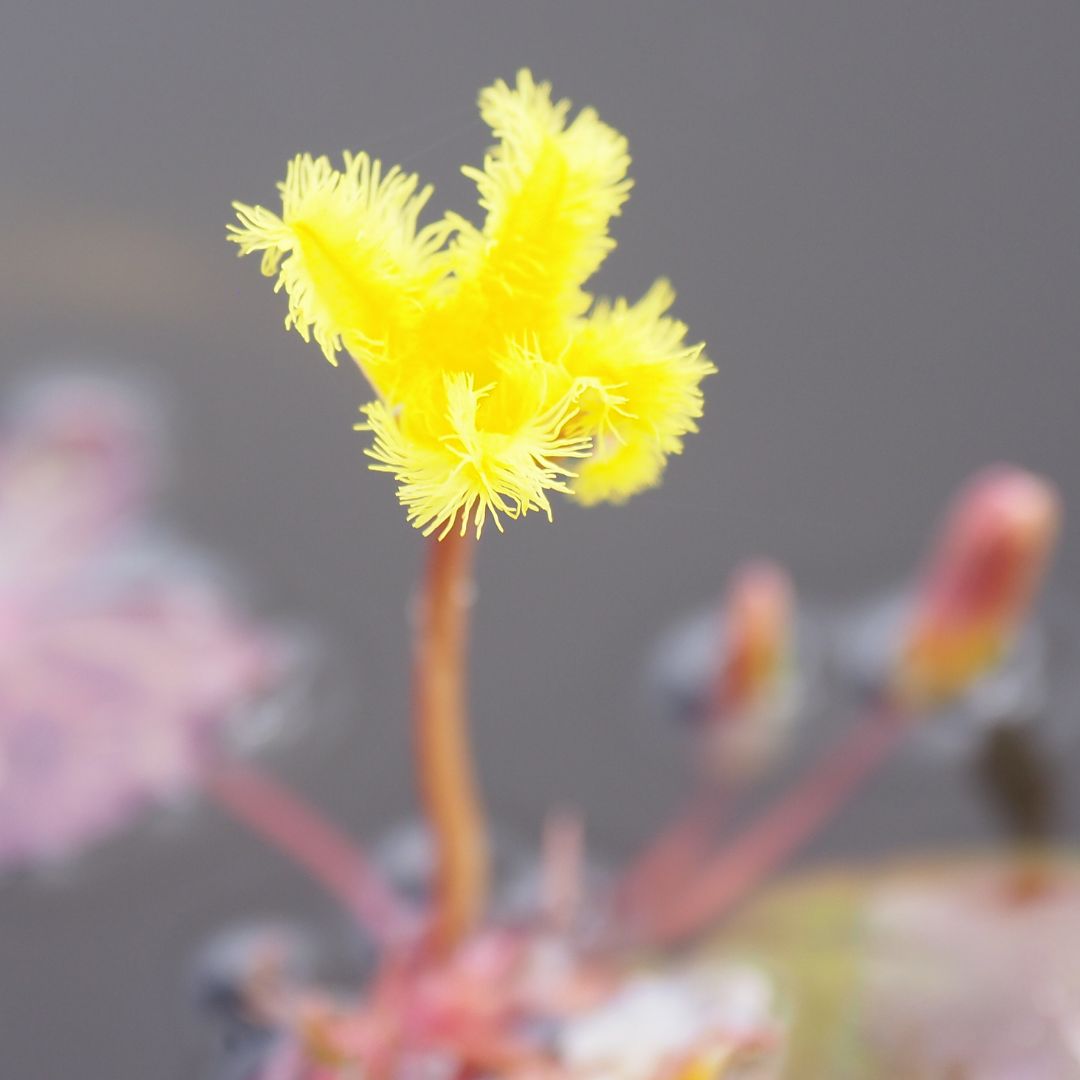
(498, 380)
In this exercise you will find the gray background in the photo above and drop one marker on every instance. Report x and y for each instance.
(870, 212)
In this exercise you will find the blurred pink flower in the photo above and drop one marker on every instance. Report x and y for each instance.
(119, 670)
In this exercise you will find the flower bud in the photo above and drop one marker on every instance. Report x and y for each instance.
(978, 583)
(751, 700)
(757, 614)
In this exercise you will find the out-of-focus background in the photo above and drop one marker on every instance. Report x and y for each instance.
(870, 212)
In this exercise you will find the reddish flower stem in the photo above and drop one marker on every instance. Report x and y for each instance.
(563, 863)
(741, 867)
(440, 729)
(662, 869)
(299, 832)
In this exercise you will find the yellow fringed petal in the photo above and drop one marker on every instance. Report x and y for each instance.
(617, 471)
(479, 456)
(550, 190)
(347, 251)
(640, 392)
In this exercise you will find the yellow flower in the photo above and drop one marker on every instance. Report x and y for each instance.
(498, 379)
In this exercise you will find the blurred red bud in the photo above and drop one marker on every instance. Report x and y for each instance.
(978, 583)
(757, 615)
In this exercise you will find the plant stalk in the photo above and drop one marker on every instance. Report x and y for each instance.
(781, 830)
(441, 741)
(669, 861)
(327, 855)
